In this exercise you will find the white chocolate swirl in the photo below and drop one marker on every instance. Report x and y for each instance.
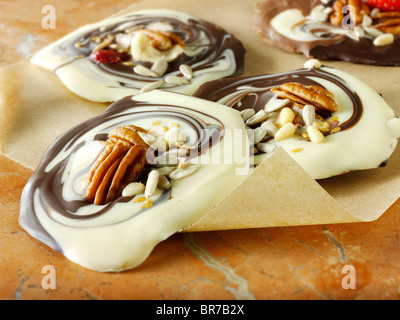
(121, 234)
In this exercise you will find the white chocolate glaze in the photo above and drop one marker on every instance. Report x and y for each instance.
(125, 234)
(289, 24)
(366, 144)
(210, 51)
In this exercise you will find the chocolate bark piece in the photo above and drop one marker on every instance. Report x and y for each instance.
(323, 40)
(104, 61)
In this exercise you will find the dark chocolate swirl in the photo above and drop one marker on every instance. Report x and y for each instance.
(254, 92)
(209, 48)
(45, 192)
(328, 45)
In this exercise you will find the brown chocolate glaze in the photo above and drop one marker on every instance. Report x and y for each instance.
(46, 182)
(190, 32)
(329, 47)
(257, 92)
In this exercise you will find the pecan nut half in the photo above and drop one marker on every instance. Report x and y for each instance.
(388, 22)
(127, 134)
(323, 100)
(357, 10)
(120, 163)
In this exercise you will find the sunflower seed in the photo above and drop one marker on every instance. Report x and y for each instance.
(160, 66)
(269, 127)
(266, 147)
(183, 164)
(133, 189)
(126, 25)
(174, 137)
(182, 173)
(308, 114)
(151, 183)
(256, 135)
(352, 35)
(167, 160)
(373, 32)
(163, 183)
(176, 80)
(275, 104)
(186, 71)
(258, 117)
(179, 152)
(103, 44)
(164, 171)
(152, 86)
(367, 21)
(156, 142)
(143, 71)
(247, 113)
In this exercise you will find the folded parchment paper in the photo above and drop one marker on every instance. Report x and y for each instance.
(35, 108)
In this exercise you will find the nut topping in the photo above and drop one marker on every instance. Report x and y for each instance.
(358, 9)
(149, 46)
(121, 162)
(336, 17)
(162, 40)
(388, 22)
(127, 134)
(323, 100)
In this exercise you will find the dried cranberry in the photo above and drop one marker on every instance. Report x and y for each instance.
(108, 56)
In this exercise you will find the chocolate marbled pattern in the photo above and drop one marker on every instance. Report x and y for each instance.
(44, 190)
(191, 32)
(254, 92)
(328, 47)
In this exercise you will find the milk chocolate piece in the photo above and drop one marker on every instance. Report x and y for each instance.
(287, 25)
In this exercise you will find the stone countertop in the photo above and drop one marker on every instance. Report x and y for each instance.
(307, 262)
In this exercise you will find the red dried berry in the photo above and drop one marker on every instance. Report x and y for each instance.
(108, 56)
(385, 5)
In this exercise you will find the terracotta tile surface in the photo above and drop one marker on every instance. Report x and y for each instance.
(270, 263)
